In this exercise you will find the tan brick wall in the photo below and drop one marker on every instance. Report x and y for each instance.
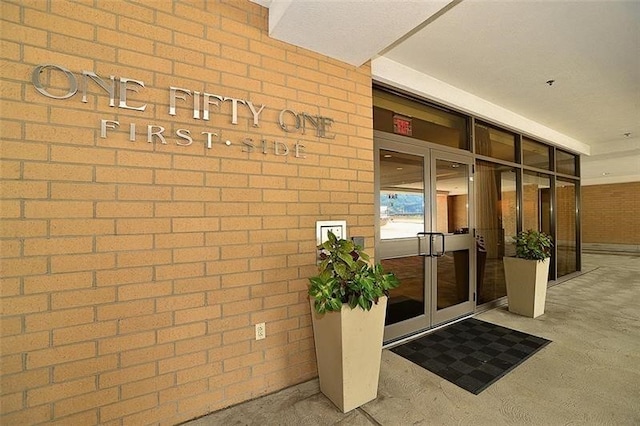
(133, 273)
(610, 213)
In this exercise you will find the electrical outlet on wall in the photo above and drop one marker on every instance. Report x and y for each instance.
(261, 331)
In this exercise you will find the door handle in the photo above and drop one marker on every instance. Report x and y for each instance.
(421, 236)
(441, 253)
(432, 236)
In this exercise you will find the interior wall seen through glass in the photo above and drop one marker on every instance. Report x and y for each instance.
(452, 185)
(536, 206)
(536, 202)
(496, 221)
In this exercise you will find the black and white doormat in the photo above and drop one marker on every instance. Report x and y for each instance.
(471, 353)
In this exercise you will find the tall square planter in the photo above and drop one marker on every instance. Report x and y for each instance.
(348, 351)
(526, 285)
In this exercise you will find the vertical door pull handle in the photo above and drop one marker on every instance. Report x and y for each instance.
(441, 254)
(421, 236)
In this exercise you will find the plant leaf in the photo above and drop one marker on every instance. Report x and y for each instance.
(345, 276)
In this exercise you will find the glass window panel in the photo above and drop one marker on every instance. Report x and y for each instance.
(536, 205)
(496, 218)
(401, 195)
(566, 242)
(536, 202)
(425, 122)
(407, 300)
(452, 198)
(535, 154)
(566, 163)
(495, 143)
(453, 278)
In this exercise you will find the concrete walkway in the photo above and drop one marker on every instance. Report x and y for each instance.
(588, 375)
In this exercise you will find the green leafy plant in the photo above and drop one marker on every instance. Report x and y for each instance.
(533, 245)
(346, 276)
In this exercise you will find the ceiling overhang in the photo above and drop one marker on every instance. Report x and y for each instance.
(350, 31)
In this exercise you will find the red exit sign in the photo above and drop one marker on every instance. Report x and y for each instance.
(402, 125)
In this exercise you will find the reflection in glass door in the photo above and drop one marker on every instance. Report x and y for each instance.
(451, 288)
(423, 235)
(496, 227)
(402, 218)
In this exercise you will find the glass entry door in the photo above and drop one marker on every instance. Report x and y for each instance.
(424, 197)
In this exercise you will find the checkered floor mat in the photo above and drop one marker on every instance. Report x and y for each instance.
(472, 354)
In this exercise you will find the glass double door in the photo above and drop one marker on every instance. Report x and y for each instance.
(423, 234)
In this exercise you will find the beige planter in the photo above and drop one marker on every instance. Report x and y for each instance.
(348, 352)
(526, 285)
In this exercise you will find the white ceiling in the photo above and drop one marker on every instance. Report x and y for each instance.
(493, 59)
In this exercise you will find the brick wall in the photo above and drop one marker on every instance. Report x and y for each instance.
(610, 213)
(133, 272)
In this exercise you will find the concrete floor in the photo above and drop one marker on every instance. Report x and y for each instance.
(588, 375)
